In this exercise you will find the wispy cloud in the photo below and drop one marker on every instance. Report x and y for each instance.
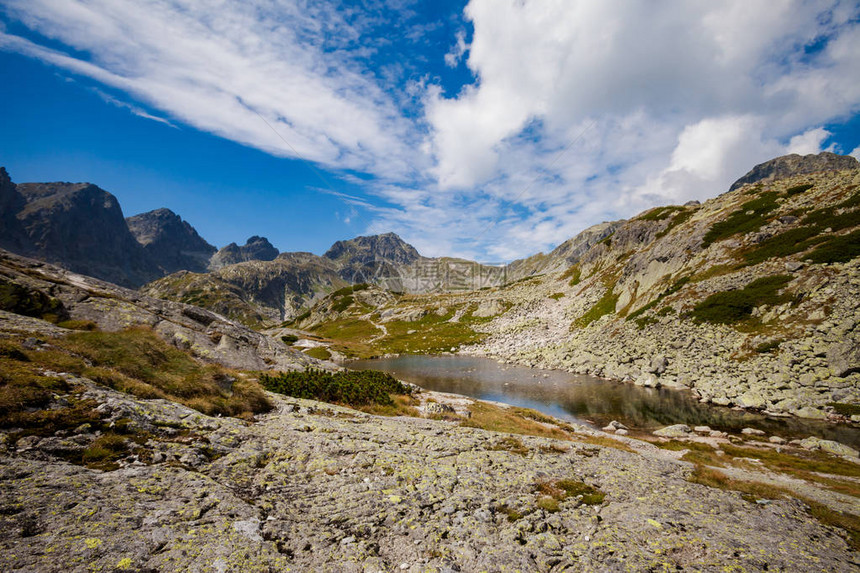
(581, 111)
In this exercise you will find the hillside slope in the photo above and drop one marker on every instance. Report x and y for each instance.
(750, 299)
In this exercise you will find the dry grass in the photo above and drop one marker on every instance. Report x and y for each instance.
(497, 419)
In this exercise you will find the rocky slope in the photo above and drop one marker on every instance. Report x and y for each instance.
(793, 164)
(81, 227)
(77, 225)
(171, 242)
(255, 249)
(254, 292)
(42, 291)
(750, 299)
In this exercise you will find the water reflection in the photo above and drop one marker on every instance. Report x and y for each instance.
(588, 399)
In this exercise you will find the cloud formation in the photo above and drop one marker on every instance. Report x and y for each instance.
(581, 111)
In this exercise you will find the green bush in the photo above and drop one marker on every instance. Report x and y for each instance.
(736, 305)
(289, 339)
(798, 189)
(839, 249)
(604, 306)
(353, 388)
(660, 213)
(750, 217)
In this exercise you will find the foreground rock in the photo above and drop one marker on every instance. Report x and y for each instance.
(314, 487)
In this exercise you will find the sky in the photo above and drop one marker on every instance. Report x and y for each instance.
(487, 129)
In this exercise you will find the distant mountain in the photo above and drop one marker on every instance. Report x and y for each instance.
(254, 292)
(364, 259)
(793, 164)
(171, 242)
(77, 225)
(255, 249)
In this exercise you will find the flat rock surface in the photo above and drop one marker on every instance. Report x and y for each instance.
(314, 487)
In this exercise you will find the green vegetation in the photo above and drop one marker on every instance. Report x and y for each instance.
(840, 249)
(734, 306)
(556, 296)
(660, 213)
(604, 306)
(552, 492)
(512, 514)
(798, 189)
(342, 303)
(750, 217)
(318, 352)
(845, 409)
(289, 339)
(782, 245)
(78, 325)
(679, 219)
(828, 248)
(351, 388)
(351, 336)
(676, 286)
(574, 273)
(138, 362)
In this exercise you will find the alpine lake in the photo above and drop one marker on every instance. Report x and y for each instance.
(590, 400)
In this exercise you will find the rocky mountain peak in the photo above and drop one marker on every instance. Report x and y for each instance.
(256, 248)
(793, 164)
(173, 243)
(389, 247)
(81, 226)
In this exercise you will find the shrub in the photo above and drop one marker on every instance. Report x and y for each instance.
(660, 213)
(604, 306)
(839, 249)
(289, 339)
(798, 189)
(733, 306)
(353, 388)
(574, 273)
(750, 217)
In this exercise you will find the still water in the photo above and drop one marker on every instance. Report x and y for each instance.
(590, 400)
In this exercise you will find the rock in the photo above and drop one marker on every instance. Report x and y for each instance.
(751, 399)
(674, 431)
(776, 440)
(844, 358)
(793, 164)
(813, 443)
(658, 365)
(648, 380)
(438, 408)
(812, 413)
(752, 432)
(702, 429)
(717, 434)
(488, 308)
(621, 432)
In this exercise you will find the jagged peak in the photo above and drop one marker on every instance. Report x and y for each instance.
(794, 164)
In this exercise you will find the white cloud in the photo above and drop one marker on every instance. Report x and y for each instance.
(293, 63)
(453, 57)
(582, 111)
(855, 153)
(810, 141)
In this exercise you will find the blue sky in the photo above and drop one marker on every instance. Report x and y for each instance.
(491, 129)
